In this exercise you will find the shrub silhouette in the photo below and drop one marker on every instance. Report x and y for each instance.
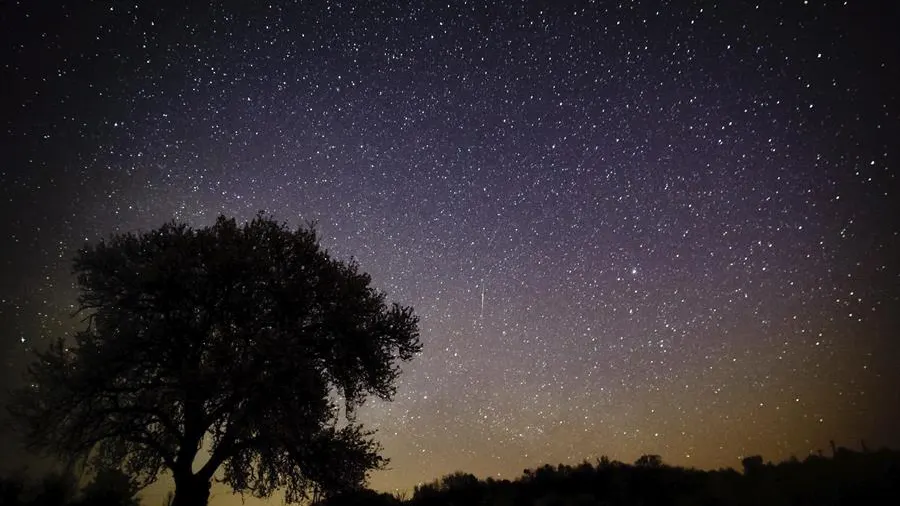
(107, 488)
(110, 487)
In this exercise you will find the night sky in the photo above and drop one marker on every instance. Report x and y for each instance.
(628, 227)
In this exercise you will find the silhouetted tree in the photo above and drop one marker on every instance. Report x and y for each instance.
(237, 337)
(461, 488)
(752, 464)
(426, 493)
(649, 461)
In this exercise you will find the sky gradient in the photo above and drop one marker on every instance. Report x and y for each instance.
(628, 228)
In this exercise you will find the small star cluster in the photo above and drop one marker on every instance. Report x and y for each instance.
(628, 227)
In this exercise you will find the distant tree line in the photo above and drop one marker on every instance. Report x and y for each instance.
(845, 478)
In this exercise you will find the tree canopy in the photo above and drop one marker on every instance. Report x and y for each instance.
(243, 338)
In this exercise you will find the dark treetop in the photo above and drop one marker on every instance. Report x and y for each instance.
(237, 337)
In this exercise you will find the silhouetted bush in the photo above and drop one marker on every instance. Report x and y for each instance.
(361, 496)
(107, 488)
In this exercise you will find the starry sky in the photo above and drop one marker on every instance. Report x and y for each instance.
(628, 227)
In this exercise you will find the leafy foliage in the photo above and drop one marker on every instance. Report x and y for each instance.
(239, 337)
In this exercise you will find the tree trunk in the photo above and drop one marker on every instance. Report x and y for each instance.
(191, 491)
